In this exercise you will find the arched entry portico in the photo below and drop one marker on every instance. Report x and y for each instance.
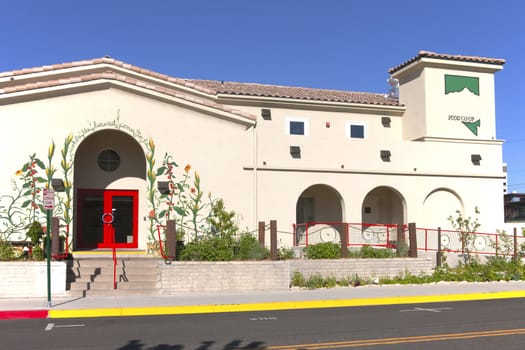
(383, 209)
(319, 212)
(383, 205)
(109, 174)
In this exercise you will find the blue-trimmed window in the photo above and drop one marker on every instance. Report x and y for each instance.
(355, 130)
(295, 126)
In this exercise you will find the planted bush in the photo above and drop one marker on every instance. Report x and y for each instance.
(376, 253)
(210, 248)
(326, 250)
(250, 249)
(7, 252)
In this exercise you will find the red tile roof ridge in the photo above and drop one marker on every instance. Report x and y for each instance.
(431, 54)
(110, 75)
(212, 87)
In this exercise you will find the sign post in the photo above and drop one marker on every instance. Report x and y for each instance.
(49, 204)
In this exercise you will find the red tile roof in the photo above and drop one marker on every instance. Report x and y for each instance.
(209, 87)
(252, 89)
(123, 78)
(429, 54)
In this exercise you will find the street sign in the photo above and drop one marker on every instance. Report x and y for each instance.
(49, 198)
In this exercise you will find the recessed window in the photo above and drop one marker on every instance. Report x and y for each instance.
(355, 130)
(108, 160)
(297, 127)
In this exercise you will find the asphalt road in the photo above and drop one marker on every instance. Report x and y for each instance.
(480, 325)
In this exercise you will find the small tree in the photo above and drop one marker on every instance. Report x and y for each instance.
(221, 220)
(35, 233)
(466, 227)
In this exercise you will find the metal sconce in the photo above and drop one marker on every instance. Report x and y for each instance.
(58, 185)
(266, 114)
(475, 158)
(386, 121)
(163, 187)
(295, 151)
(385, 155)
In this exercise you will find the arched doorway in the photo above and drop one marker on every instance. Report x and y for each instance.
(109, 171)
(383, 205)
(438, 206)
(383, 209)
(319, 215)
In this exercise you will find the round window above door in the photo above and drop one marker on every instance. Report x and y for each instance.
(108, 160)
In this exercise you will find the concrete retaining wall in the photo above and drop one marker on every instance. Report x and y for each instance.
(242, 276)
(364, 268)
(29, 279)
(213, 277)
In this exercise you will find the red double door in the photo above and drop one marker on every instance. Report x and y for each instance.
(106, 219)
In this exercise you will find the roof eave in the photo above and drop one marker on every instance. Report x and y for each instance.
(101, 84)
(447, 63)
(295, 103)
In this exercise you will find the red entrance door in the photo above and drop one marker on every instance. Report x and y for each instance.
(107, 218)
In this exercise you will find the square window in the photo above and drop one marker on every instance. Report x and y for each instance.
(355, 130)
(296, 128)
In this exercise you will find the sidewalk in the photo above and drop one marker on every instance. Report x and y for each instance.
(117, 305)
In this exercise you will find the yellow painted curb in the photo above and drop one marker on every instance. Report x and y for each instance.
(280, 305)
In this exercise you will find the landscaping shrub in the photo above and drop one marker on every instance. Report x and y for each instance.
(298, 279)
(38, 253)
(7, 252)
(376, 253)
(315, 281)
(250, 249)
(210, 248)
(285, 253)
(35, 233)
(326, 250)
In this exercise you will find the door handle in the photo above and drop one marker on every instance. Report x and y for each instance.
(108, 218)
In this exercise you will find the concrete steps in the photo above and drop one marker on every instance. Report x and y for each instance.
(94, 276)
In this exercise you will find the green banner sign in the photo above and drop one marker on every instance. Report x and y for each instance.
(457, 83)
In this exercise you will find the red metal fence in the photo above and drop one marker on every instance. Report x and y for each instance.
(387, 236)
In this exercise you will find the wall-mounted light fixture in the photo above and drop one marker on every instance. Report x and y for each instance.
(475, 158)
(163, 187)
(58, 185)
(266, 114)
(385, 155)
(295, 151)
(386, 121)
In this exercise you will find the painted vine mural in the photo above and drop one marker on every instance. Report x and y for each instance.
(184, 201)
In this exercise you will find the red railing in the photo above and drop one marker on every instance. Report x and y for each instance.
(475, 243)
(386, 235)
(357, 234)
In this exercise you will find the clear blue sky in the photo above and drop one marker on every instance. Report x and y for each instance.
(344, 44)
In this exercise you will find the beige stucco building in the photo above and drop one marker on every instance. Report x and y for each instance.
(289, 154)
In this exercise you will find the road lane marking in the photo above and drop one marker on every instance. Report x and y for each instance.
(50, 326)
(268, 318)
(435, 309)
(400, 340)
